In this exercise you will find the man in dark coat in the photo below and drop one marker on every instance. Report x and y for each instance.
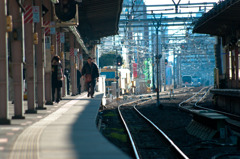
(57, 77)
(92, 69)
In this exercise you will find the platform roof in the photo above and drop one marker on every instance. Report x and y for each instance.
(98, 19)
(220, 20)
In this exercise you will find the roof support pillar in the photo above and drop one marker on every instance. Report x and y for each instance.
(30, 64)
(48, 68)
(4, 114)
(63, 68)
(40, 61)
(17, 58)
(72, 65)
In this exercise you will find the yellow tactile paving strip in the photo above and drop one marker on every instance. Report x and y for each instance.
(27, 143)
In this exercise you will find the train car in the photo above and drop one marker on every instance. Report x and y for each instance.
(187, 81)
(123, 81)
(196, 81)
(110, 74)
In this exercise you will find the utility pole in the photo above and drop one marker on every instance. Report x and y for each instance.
(153, 65)
(117, 93)
(174, 69)
(176, 5)
(158, 57)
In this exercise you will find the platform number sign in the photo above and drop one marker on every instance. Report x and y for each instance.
(62, 38)
(52, 29)
(36, 15)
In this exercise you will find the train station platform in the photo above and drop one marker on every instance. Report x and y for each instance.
(66, 130)
(227, 99)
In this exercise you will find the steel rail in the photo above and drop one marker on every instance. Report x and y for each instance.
(217, 111)
(187, 109)
(179, 153)
(203, 96)
(234, 116)
(187, 100)
(129, 134)
(127, 129)
(177, 150)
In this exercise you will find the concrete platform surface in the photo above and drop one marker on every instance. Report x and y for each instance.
(66, 130)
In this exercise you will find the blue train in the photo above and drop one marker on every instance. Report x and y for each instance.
(191, 81)
(187, 81)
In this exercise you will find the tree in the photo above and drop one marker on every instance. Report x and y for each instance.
(107, 59)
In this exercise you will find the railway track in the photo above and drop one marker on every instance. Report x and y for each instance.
(193, 103)
(175, 124)
(231, 121)
(148, 141)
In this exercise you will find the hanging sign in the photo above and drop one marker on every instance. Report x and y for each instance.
(36, 16)
(76, 51)
(48, 42)
(52, 29)
(62, 38)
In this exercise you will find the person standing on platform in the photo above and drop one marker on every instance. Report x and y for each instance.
(57, 78)
(91, 72)
(79, 75)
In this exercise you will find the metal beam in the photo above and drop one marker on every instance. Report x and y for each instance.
(172, 5)
(164, 20)
(151, 25)
(78, 38)
(164, 14)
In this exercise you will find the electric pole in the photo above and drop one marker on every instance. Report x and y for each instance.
(158, 57)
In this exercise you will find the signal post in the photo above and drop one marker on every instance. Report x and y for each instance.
(118, 63)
